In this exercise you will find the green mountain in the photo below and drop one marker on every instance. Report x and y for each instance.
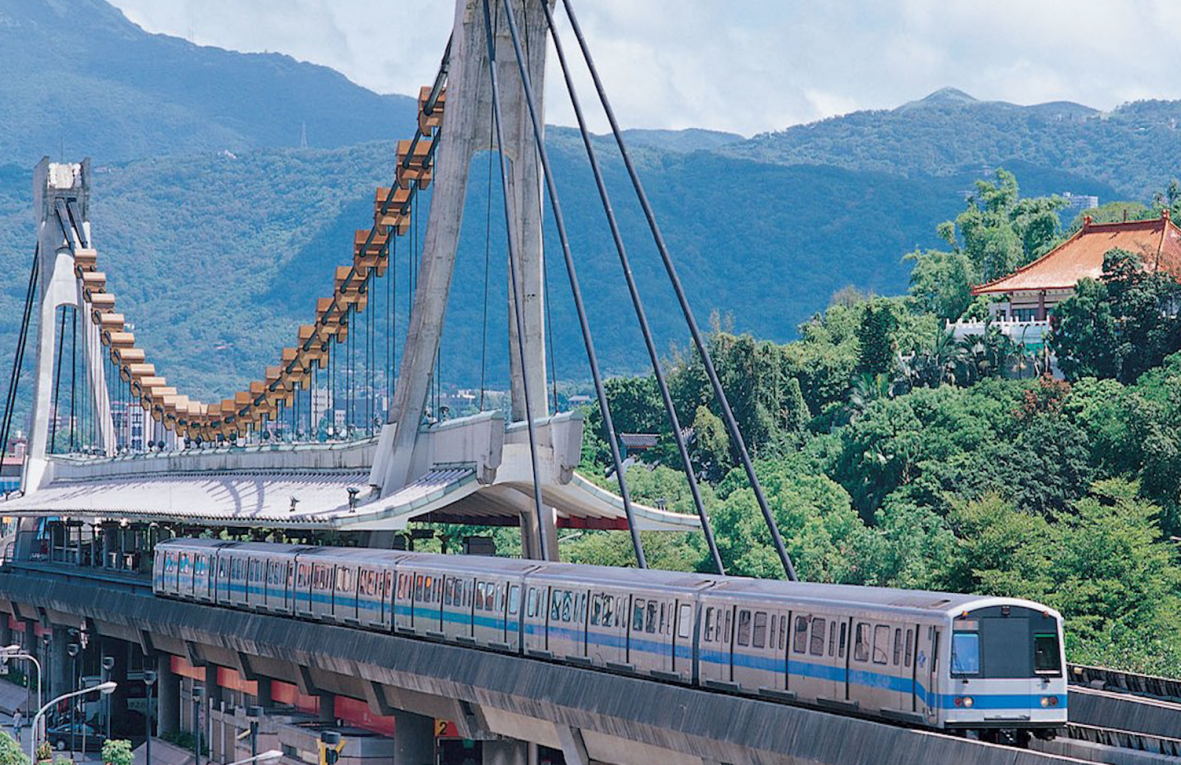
(1133, 148)
(79, 77)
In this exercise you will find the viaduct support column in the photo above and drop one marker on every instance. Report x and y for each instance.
(167, 704)
(59, 663)
(414, 739)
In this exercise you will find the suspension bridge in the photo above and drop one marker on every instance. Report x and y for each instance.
(344, 435)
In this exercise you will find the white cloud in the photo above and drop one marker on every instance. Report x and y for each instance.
(741, 65)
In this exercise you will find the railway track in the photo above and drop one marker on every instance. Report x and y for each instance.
(1118, 681)
(1125, 739)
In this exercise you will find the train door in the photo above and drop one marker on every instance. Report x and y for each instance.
(682, 640)
(535, 610)
(928, 668)
(369, 595)
(387, 597)
(403, 606)
(302, 592)
(512, 624)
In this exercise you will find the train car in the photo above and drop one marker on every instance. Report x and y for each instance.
(962, 663)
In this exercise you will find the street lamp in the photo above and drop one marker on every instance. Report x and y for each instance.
(267, 756)
(149, 680)
(108, 665)
(254, 714)
(197, 725)
(107, 687)
(330, 739)
(14, 652)
(73, 649)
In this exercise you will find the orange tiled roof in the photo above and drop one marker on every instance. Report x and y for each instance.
(1157, 241)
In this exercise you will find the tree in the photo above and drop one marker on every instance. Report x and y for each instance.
(1121, 326)
(819, 527)
(999, 231)
(1002, 550)
(875, 337)
(942, 282)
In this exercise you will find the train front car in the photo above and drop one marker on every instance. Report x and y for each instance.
(1004, 676)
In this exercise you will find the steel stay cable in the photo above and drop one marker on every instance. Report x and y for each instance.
(19, 355)
(633, 290)
(518, 303)
(576, 291)
(670, 268)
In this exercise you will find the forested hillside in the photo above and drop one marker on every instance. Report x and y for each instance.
(1133, 148)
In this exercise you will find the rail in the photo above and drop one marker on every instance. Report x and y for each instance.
(1125, 739)
(1119, 681)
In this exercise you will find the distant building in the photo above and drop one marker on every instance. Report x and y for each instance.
(1027, 296)
(635, 443)
(1076, 203)
(10, 473)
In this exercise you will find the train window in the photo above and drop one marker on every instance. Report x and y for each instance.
(965, 653)
(638, 616)
(404, 586)
(301, 575)
(1047, 659)
(609, 611)
(596, 610)
(744, 627)
(897, 646)
(800, 642)
(531, 603)
(844, 635)
(729, 624)
(816, 645)
(650, 626)
(418, 588)
(448, 591)
(861, 643)
(685, 621)
(759, 635)
(568, 607)
(663, 620)
(881, 641)
(514, 599)
(555, 608)
(909, 647)
(832, 639)
(782, 633)
(481, 591)
(709, 624)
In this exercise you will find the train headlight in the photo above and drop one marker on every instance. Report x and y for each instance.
(1049, 701)
(964, 701)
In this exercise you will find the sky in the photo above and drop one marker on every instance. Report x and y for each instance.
(744, 66)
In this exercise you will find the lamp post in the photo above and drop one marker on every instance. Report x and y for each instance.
(107, 687)
(254, 714)
(149, 681)
(108, 665)
(73, 649)
(197, 725)
(267, 756)
(14, 652)
(331, 740)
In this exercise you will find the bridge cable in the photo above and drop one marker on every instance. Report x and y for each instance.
(19, 356)
(518, 304)
(57, 380)
(576, 291)
(670, 268)
(637, 303)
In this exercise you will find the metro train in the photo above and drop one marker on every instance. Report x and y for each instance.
(959, 663)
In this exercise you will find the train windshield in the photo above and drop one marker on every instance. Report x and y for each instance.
(1047, 659)
(965, 653)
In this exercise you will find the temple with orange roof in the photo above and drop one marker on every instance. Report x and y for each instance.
(1030, 293)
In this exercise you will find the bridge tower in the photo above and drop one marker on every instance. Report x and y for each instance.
(61, 195)
(467, 131)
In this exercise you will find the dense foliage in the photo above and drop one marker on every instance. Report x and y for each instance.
(892, 454)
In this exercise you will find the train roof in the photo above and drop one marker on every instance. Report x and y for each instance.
(854, 596)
